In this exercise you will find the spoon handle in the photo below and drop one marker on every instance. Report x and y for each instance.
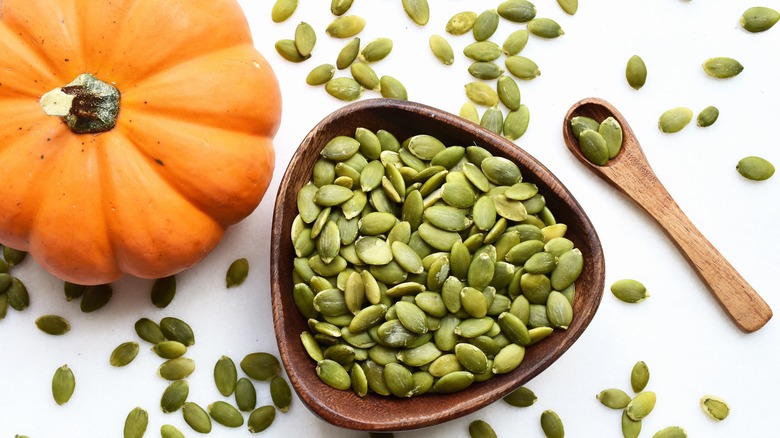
(740, 301)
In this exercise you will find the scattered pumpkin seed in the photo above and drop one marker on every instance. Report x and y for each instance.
(612, 133)
(225, 414)
(481, 93)
(177, 368)
(346, 26)
(641, 405)
(174, 396)
(3, 305)
(469, 112)
(640, 375)
(225, 375)
(63, 384)
(169, 431)
(237, 272)
(481, 429)
(715, 407)
(305, 39)
(707, 116)
(163, 291)
(123, 354)
(629, 291)
(340, 7)
(569, 6)
(519, 11)
(196, 417)
(493, 120)
(16, 295)
(347, 55)
(174, 329)
(53, 324)
(722, 67)
(485, 70)
(671, 432)
(364, 75)
(261, 418)
(283, 9)
(320, 74)
(376, 50)
(95, 297)
(13, 256)
(485, 25)
(614, 398)
(136, 422)
(758, 19)
(246, 395)
(149, 331)
(545, 28)
(441, 49)
(392, 88)
(461, 23)
(675, 119)
(552, 424)
(417, 10)
(629, 427)
(286, 49)
(521, 397)
(516, 122)
(281, 395)
(508, 92)
(522, 67)
(636, 72)
(260, 365)
(483, 51)
(755, 168)
(169, 349)
(515, 42)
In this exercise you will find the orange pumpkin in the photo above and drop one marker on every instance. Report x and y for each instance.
(190, 152)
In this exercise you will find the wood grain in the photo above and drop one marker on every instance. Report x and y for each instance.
(378, 413)
(631, 174)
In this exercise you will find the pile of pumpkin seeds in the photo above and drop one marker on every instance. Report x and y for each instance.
(425, 267)
(598, 141)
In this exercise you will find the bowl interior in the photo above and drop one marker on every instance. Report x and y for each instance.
(380, 413)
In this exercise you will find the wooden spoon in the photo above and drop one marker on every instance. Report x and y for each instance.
(630, 173)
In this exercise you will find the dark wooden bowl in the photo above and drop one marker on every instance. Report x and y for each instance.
(380, 413)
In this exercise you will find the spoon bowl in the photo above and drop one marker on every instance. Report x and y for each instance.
(631, 174)
(380, 413)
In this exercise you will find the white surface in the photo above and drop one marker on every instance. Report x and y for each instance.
(690, 346)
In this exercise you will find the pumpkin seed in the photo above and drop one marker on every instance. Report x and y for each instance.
(392, 88)
(508, 359)
(552, 424)
(545, 28)
(640, 375)
(630, 428)
(376, 50)
(441, 49)
(581, 123)
(469, 112)
(515, 42)
(508, 92)
(95, 297)
(521, 397)
(707, 116)
(636, 72)
(522, 67)
(614, 398)
(514, 328)
(753, 168)
(481, 94)
(168, 431)
(13, 256)
(481, 429)
(722, 67)
(715, 407)
(333, 374)
(516, 122)
(347, 55)
(174, 396)
(454, 382)
(177, 368)
(461, 23)
(346, 89)
(3, 267)
(612, 133)
(399, 380)
(260, 366)
(136, 422)
(519, 11)
(63, 384)
(629, 291)
(196, 417)
(339, 7)
(225, 376)
(163, 291)
(641, 405)
(484, 51)
(281, 393)
(149, 331)
(493, 120)
(567, 270)
(286, 49)
(225, 414)
(569, 6)
(123, 354)
(261, 418)
(671, 432)
(246, 395)
(174, 329)
(53, 324)
(305, 39)
(346, 26)
(283, 9)
(321, 74)
(758, 19)
(485, 25)
(3, 305)
(594, 147)
(417, 10)
(72, 291)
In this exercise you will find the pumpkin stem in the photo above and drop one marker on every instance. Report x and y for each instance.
(87, 105)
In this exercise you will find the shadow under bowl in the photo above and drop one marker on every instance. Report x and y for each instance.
(386, 413)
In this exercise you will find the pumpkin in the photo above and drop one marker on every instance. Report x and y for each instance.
(94, 191)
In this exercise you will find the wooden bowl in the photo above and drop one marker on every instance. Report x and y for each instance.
(385, 413)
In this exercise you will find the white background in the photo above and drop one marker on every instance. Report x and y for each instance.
(690, 346)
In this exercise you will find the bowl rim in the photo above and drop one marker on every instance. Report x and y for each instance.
(493, 390)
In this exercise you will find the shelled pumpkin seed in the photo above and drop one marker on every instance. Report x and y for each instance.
(707, 117)
(63, 384)
(552, 426)
(261, 419)
(95, 297)
(481, 429)
(169, 431)
(485, 25)
(415, 297)
(545, 28)
(340, 7)
(569, 6)
(629, 291)
(237, 272)
(758, 19)
(519, 11)
(392, 88)
(461, 23)
(715, 407)
(54, 325)
(755, 168)
(636, 72)
(671, 432)
(163, 291)
(283, 9)
(376, 50)
(225, 414)
(196, 417)
(418, 10)
(441, 49)
(174, 396)
(521, 397)
(123, 354)
(346, 26)
(136, 423)
(722, 67)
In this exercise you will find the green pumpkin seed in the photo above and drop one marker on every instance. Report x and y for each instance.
(515, 42)
(514, 328)
(399, 380)
(286, 49)
(519, 11)
(305, 39)
(545, 28)
(630, 428)
(149, 331)
(424, 146)
(641, 405)
(481, 429)
(174, 396)
(95, 297)
(707, 116)
(485, 25)
(281, 393)
(225, 375)
(177, 368)
(168, 431)
(347, 55)
(629, 291)
(246, 395)
(567, 270)
(755, 168)
(225, 414)
(640, 375)
(636, 72)
(612, 133)
(417, 10)
(483, 51)
(569, 6)
(715, 407)
(174, 329)
(581, 123)
(501, 171)
(461, 23)
(333, 374)
(359, 381)
(472, 358)
(493, 120)
(671, 432)
(454, 382)
(196, 417)
(675, 119)
(63, 384)
(522, 67)
(283, 9)
(614, 398)
(237, 272)
(508, 92)
(261, 419)
(13, 256)
(260, 366)
(516, 123)
(136, 423)
(346, 26)
(392, 88)
(346, 89)
(521, 397)
(376, 50)
(594, 147)
(552, 424)
(758, 19)
(722, 67)
(54, 325)
(441, 49)
(508, 359)
(163, 291)
(124, 354)
(321, 74)
(3, 305)
(469, 112)
(72, 291)
(481, 94)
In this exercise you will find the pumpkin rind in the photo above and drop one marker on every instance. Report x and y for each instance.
(191, 152)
